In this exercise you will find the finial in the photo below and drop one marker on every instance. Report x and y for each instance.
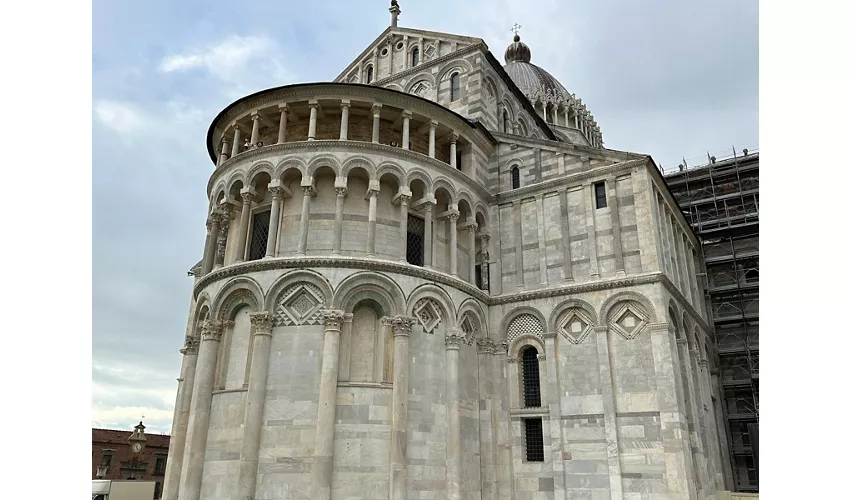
(395, 10)
(515, 28)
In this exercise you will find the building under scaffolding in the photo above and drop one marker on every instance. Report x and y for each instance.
(720, 199)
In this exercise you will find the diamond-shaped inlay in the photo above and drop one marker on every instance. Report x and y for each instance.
(629, 320)
(300, 304)
(467, 326)
(429, 314)
(575, 326)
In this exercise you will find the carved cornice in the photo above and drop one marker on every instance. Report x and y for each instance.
(333, 145)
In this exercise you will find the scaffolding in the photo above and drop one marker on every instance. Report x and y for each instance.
(720, 201)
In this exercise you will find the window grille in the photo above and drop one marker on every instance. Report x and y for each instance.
(533, 439)
(259, 235)
(415, 240)
(415, 57)
(455, 92)
(530, 378)
(601, 200)
(515, 177)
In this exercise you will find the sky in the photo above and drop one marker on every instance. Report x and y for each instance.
(667, 78)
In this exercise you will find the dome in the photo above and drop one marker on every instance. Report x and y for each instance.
(535, 82)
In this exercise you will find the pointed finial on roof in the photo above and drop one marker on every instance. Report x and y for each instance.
(395, 10)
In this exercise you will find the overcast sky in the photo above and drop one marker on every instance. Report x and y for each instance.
(662, 77)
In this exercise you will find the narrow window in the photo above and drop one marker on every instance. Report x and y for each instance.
(369, 74)
(159, 466)
(533, 439)
(106, 460)
(415, 57)
(478, 281)
(515, 177)
(599, 191)
(505, 123)
(415, 240)
(530, 378)
(259, 235)
(455, 81)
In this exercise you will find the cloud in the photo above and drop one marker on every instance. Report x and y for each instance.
(122, 117)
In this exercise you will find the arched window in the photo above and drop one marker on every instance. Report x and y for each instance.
(505, 122)
(415, 56)
(515, 177)
(455, 92)
(530, 378)
(369, 74)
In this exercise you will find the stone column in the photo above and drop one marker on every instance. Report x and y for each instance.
(212, 243)
(225, 151)
(343, 124)
(281, 224)
(429, 221)
(453, 150)
(398, 432)
(222, 239)
(255, 129)
(345, 348)
(256, 398)
(323, 458)
(453, 242)
(248, 195)
(554, 399)
(609, 406)
(340, 202)
(486, 418)
(405, 129)
(372, 194)
(502, 424)
(309, 192)
(237, 141)
(199, 411)
(470, 228)
(314, 111)
(711, 425)
(453, 341)
(690, 411)
(485, 262)
(177, 445)
(432, 140)
(274, 221)
(403, 200)
(376, 122)
(281, 130)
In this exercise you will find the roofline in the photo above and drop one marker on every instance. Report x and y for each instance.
(519, 95)
(211, 151)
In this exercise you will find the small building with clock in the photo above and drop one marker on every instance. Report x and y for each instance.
(130, 455)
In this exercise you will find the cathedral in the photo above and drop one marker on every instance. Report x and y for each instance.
(430, 279)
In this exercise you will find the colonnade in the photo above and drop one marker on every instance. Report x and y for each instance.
(232, 139)
(219, 220)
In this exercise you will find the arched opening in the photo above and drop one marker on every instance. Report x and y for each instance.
(414, 56)
(287, 240)
(258, 236)
(455, 87)
(416, 226)
(441, 251)
(515, 177)
(505, 122)
(530, 378)
(369, 74)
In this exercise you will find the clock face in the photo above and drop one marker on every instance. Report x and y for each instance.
(137, 447)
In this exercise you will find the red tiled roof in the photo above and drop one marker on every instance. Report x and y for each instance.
(115, 436)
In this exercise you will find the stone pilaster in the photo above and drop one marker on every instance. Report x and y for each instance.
(340, 202)
(371, 229)
(453, 341)
(309, 193)
(221, 246)
(485, 261)
(470, 230)
(398, 433)
(501, 423)
(453, 150)
(199, 411)
(565, 235)
(556, 439)
(212, 243)
(323, 459)
(274, 220)
(517, 219)
(237, 141)
(541, 239)
(256, 398)
(177, 445)
(613, 204)
(609, 406)
(248, 196)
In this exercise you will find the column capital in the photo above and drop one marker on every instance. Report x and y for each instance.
(262, 323)
(211, 330)
(347, 317)
(255, 115)
(376, 109)
(313, 103)
(341, 192)
(406, 113)
(484, 237)
(681, 340)
(277, 191)
(453, 216)
(453, 340)
(345, 103)
(209, 222)
(433, 124)
(703, 362)
(190, 345)
(404, 199)
(283, 107)
(485, 346)
(402, 325)
(248, 194)
(333, 319)
(549, 335)
(601, 329)
(372, 192)
(308, 191)
(453, 137)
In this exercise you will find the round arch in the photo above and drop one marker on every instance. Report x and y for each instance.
(568, 304)
(297, 276)
(392, 168)
(236, 293)
(436, 293)
(517, 311)
(323, 161)
(615, 299)
(359, 161)
(261, 166)
(369, 285)
(288, 164)
(472, 307)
